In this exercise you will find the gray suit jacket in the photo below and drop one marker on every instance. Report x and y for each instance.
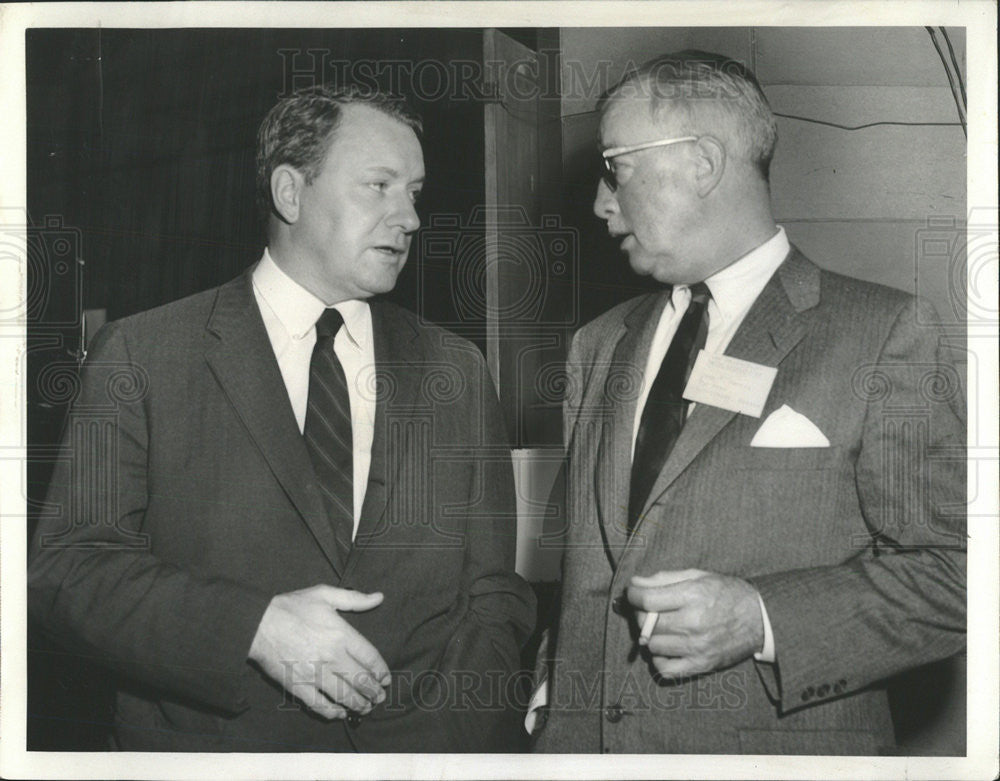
(857, 549)
(185, 499)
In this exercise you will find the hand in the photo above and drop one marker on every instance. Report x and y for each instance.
(706, 621)
(304, 644)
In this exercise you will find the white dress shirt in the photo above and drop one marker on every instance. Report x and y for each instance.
(734, 289)
(290, 313)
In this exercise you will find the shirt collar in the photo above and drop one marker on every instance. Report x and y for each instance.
(737, 286)
(298, 310)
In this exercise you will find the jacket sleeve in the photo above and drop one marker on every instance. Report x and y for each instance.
(501, 606)
(558, 505)
(94, 580)
(901, 601)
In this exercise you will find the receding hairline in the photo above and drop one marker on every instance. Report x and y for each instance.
(681, 113)
(657, 110)
(335, 131)
(700, 93)
(349, 109)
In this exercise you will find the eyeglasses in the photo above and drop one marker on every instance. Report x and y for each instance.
(608, 175)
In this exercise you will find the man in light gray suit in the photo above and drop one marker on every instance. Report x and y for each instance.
(766, 461)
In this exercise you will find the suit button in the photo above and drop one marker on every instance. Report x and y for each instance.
(808, 694)
(353, 720)
(823, 690)
(619, 605)
(838, 687)
(614, 713)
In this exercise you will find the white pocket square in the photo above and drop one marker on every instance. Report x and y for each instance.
(787, 428)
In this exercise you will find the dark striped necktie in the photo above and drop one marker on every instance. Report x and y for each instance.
(328, 429)
(665, 411)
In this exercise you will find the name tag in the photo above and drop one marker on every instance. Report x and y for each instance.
(729, 383)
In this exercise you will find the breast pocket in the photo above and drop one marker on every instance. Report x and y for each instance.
(787, 504)
(776, 479)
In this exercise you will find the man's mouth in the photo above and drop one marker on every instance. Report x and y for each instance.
(622, 235)
(392, 250)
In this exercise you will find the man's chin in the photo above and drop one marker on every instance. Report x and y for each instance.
(384, 283)
(640, 265)
(653, 267)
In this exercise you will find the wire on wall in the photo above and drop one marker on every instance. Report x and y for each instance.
(960, 104)
(955, 81)
(954, 64)
(868, 124)
(821, 121)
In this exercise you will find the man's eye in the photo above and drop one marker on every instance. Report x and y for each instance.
(379, 186)
(621, 172)
(415, 196)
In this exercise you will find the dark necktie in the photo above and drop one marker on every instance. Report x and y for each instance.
(328, 428)
(665, 411)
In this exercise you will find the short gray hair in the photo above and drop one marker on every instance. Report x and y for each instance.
(707, 89)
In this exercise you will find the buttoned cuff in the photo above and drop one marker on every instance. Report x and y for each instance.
(766, 654)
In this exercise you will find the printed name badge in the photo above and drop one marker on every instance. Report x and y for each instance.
(729, 383)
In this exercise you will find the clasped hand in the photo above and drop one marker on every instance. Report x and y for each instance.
(706, 621)
(306, 646)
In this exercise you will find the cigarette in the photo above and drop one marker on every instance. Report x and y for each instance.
(647, 628)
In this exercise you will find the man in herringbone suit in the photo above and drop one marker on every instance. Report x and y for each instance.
(798, 532)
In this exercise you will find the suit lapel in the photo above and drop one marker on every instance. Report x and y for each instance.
(243, 362)
(621, 385)
(398, 362)
(772, 327)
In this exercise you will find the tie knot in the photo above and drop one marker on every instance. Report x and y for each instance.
(329, 323)
(700, 292)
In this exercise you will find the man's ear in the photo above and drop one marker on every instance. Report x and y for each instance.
(710, 164)
(286, 190)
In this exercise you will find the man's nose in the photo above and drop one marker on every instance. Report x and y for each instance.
(605, 203)
(405, 215)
